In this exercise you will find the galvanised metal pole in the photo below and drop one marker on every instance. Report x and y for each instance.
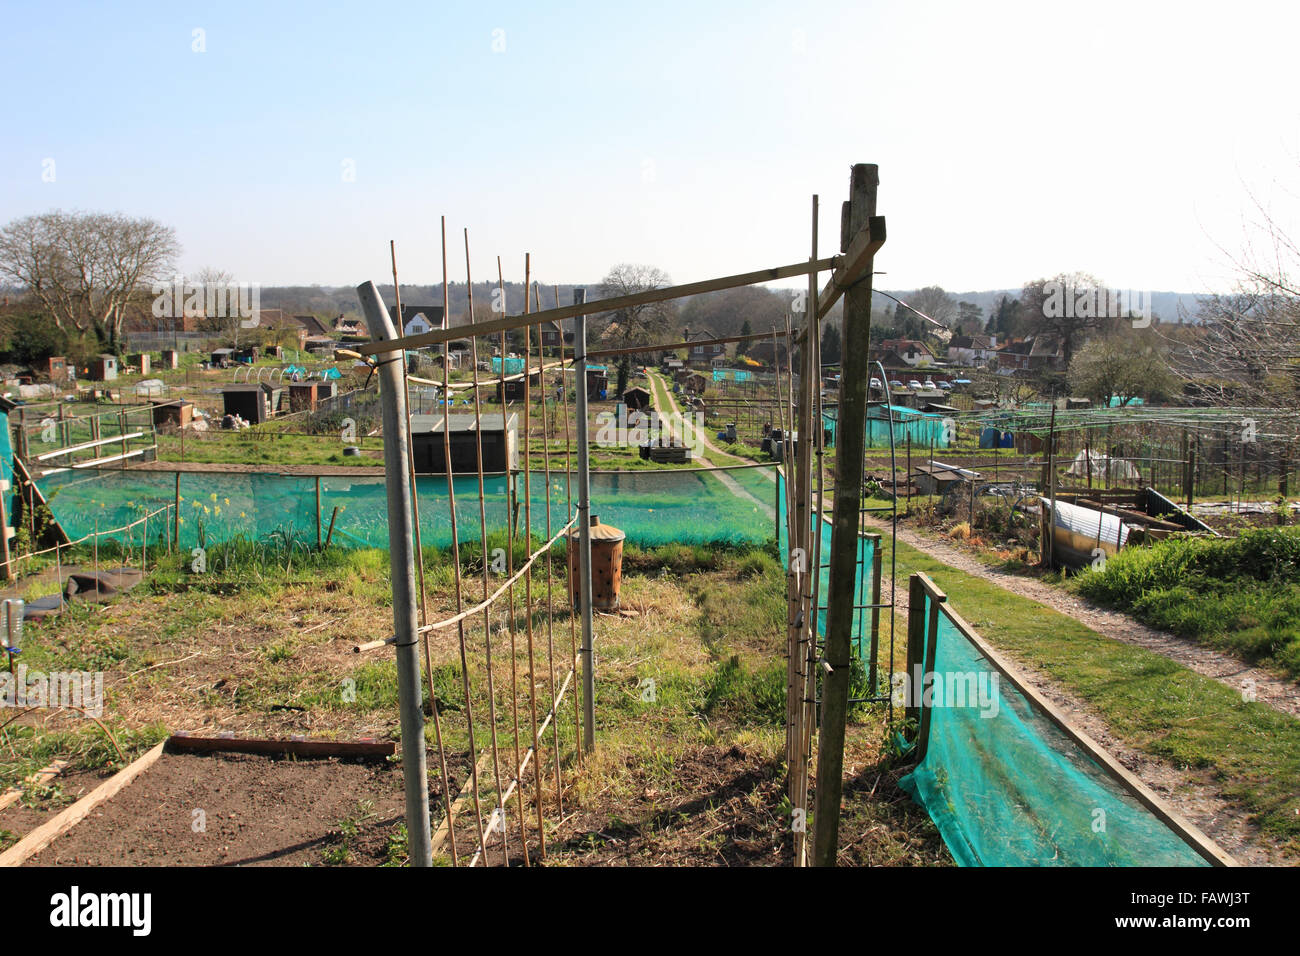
(584, 530)
(401, 552)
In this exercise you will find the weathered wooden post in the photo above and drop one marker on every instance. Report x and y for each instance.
(401, 552)
(856, 226)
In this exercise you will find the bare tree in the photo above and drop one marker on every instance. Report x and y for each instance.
(935, 303)
(84, 267)
(1245, 347)
(1067, 308)
(644, 324)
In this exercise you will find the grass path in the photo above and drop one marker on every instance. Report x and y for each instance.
(1269, 687)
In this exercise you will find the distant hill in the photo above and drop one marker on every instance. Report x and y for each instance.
(331, 301)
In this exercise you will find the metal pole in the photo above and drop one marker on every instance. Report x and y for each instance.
(584, 530)
(401, 552)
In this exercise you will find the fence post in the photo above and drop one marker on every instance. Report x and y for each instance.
(402, 561)
(856, 221)
(584, 526)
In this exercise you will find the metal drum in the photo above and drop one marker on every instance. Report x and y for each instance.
(606, 565)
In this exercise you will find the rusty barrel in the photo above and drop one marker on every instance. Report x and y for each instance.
(606, 565)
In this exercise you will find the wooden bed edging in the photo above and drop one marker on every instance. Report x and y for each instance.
(184, 743)
(50, 830)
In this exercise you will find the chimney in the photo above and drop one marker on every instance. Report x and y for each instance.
(993, 341)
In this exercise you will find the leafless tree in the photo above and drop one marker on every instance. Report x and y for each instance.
(1245, 347)
(84, 267)
(645, 324)
(936, 303)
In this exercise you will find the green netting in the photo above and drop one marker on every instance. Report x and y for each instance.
(863, 586)
(1006, 787)
(732, 375)
(513, 365)
(922, 428)
(7, 466)
(689, 507)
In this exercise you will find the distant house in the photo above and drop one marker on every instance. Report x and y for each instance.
(1014, 356)
(767, 352)
(972, 349)
(911, 351)
(419, 319)
(556, 335)
(700, 352)
(350, 328)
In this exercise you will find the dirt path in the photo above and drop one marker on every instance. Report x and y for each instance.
(1269, 688)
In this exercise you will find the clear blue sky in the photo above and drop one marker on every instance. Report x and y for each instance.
(1014, 140)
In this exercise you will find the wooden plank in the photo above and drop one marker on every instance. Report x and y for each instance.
(182, 743)
(49, 831)
(116, 439)
(39, 778)
(1188, 833)
(511, 322)
(855, 261)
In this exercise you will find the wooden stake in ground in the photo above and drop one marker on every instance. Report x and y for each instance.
(861, 209)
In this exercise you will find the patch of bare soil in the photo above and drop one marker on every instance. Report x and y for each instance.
(727, 809)
(723, 811)
(1270, 688)
(240, 810)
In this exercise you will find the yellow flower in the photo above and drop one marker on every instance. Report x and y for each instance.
(206, 510)
(217, 511)
(226, 502)
(242, 515)
(213, 496)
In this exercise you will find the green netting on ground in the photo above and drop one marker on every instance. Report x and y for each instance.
(1006, 787)
(863, 585)
(922, 428)
(653, 508)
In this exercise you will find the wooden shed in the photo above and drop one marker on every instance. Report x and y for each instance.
(303, 396)
(636, 398)
(169, 358)
(140, 360)
(103, 367)
(254, 403)
(500, 443)
(178, 412)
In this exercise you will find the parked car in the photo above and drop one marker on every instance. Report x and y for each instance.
(913, 384)
(875, 383)
(895, 383)
(944, 384)
(929, 383)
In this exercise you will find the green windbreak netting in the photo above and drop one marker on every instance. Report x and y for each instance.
(863, 585)
(733, 506)
(921, 428)
(1006, 787)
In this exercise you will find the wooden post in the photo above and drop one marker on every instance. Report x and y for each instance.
(915, 650)
(857, 220)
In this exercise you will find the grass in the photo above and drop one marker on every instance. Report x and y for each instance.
(1249, 751)
(1235, 594)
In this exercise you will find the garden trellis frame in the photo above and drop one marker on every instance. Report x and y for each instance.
(862, 234)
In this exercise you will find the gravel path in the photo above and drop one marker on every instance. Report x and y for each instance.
(1269, 688)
